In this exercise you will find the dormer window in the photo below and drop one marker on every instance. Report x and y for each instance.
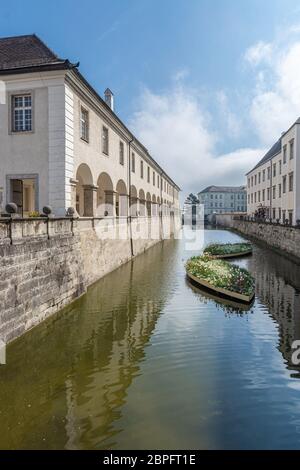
(22, 113)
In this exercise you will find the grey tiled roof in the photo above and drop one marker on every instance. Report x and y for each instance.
(269, 155)
(26, 51)
(223, 189)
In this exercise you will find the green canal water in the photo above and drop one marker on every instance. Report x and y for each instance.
(145, 361)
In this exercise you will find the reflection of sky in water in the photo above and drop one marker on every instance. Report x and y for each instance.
(147, 361)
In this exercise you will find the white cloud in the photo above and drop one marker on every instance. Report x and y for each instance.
(258, 53)
(176, 129)
(275, 103)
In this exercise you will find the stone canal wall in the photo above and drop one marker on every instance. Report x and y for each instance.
(286, 240)
(45, 264)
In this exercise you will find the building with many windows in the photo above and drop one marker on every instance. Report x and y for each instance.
(63, 145)
(221, 199)
(273, 189)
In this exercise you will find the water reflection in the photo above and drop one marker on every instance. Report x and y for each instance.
(146, 360)
(278, 289)
(67, 380)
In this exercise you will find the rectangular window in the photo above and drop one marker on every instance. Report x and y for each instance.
(284, 154)
(153, 178)
(269, 172)
(121, 153)
(263, 195)
(133, 163)
(251, 181)
(274, 170)
(248, 182)
(158, 181)
(84, 124)
(258, 196)
(105, 143)
(259, 177)
(142, 169)
(274, 214)
(274, 192)
(268, 194)
(22, 113)
(291, 181)
(291, 149)
(283, 216)
(291, 217)
(255, 180)
(148, 174)
(279, 190)
(264, 175)
(280, 167)
(254, 199)
(284, 184)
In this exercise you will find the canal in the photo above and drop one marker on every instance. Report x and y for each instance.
(146, 361)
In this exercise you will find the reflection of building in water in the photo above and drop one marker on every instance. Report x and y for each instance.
(70, 394)
(278, 287)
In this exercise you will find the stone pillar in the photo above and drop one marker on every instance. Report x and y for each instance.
(90, 200)
(73, 184)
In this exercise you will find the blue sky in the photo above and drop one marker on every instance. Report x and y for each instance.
(205, 84)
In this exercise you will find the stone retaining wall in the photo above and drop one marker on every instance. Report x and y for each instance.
(281, 238)
(45, 264)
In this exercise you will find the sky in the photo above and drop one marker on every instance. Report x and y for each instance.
(207, 85)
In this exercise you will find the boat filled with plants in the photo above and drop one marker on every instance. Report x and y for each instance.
(228, 250)
(224, 278)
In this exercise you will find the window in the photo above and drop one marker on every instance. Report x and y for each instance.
(274, 192)
(279, 213)
(264, 175)
(248, 182)
(84, 124)
(268, 194)
(255, 180)
(22, 113)
(105, 140)
(284, 154)
(254, 199)
(153, 178)
(248, 198)
(158, 181)
(291, 217)
(274, 169)
(284, 184)
(280, 166)
(121, 153)
(283, 216)
(269, 172)
(148, 174)
(142, 169)
(251, 181)
(263, 195)
(291, 149)
(279, 190)
(133, 163)
(274, 214)
(291, 181)
(259, 177)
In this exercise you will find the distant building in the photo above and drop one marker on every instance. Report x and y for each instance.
(220, 199)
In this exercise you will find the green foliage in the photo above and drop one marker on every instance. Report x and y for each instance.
(218, 249)
(221, 274)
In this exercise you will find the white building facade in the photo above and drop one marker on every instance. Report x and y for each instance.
(223, 199)
(273, 186)
(62, 144)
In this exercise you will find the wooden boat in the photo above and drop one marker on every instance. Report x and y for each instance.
(220, 291)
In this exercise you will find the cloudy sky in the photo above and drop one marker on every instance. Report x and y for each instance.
(207, 85)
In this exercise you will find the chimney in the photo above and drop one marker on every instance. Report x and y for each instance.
(109, 98)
